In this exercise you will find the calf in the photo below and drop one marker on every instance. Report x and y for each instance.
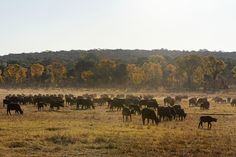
(208, 119)
(14, 106)
(149, 114)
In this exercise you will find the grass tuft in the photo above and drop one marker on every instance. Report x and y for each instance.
(62, 140)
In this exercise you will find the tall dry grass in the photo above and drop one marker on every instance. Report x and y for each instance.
(69, 132)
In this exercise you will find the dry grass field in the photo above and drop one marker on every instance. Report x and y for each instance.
(69, 132)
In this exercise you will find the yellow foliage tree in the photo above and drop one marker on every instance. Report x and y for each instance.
(21, 74)
(198, 76)
(170, 75)
(157, 59)
(16, 72)
(1, 79)
(36, 70)
(57, 71)
(136, 74)
(234, 71)
(214, 66)
(153, 73)
(12, 69)
(86, 75)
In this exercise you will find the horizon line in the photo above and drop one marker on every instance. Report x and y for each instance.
(112, 49)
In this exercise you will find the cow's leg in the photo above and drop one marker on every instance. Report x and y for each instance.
(209, 125)
(200, 124)
(148, 120)
(143, 121)
(130, 117)
(123, 118)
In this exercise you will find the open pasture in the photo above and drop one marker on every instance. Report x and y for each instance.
(69, 132)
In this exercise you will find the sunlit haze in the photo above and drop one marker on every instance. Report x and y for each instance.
(39, 25)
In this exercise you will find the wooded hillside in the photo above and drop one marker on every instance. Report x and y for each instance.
(151, 69)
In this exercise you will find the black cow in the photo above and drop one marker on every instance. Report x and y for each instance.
(177, 107)
(57, 104)
(206, 119)
(116, 103)
(233, 102)
(5, 102)
(219, 100)
(126, 112)
(201, 100)
(149, 114)
(135, 108)
(85, 104)
(228, 100)
(164, 113)
(192, 102)
(14, 106)
(205, 105)
(172, 112)
(169, 101)
(178, 98)
(99, 101)
(150, 103)
(40, 106)
(180, 113)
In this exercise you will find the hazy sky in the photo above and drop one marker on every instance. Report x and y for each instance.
(38, 25)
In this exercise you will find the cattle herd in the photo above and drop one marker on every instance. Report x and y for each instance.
(145, 105)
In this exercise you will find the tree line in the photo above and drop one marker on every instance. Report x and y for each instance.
(190, 72)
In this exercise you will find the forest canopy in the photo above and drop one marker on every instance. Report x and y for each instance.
(154, 69)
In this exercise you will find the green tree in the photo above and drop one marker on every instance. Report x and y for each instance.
(105, 70)
(158, 59)
(188, 65)
(213, 68)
